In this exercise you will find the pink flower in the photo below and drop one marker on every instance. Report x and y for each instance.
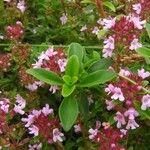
(137, 22)
(19, 109)
(109, 89)
(107, 52)
(108, 23)
(123, 131)
(21, 6)
(98, 124)
(50, 52)
(35, 147)
(83, 28)
(131, 113)
(124, 72)
(109, 104)
(38, 64)
(135, 44)
(43, 56)
(132, 124)
(63, 19)
(95, 30)
(77, 128)
(46, 110)
(143, 74)
(36, 113)
(20, 100)
(109, 43)
(117, 94)
(120, 119)
(93, 133)
(145, 102)
(39, 83)
(53, 88)
(57, 135)
(4, 105)
(62, 64)
(32, 87)
(28, 120)
(137, 7)
(34, 130)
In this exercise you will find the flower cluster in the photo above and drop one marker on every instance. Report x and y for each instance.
(127, 92)
(21, 52)
(53, 60)
(4, 109)
(5, 61)
(141, 8)
(42, 122)
(125, 33)
(15, 32)
(108, 137)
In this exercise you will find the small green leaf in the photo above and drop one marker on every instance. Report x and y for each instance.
(96, 55)
(100, 65)
(102, 33)
(148, 29)
(87, 2)
(67, 90)
(67, 79)
(46, 76)
(144, 51)
(97, 77)
(76, 49)
(72, 68)
(68, 112)
(110, 6)
(70, 80)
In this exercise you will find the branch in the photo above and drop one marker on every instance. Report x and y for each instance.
(133, 82)
(99, 4)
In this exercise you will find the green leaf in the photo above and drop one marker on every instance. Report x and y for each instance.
(72, 68)
(100, 65)
(144, 51)
(148, 29)
(70, 80)
(46, 76)
(102, 33)
(67, 79)
(110, 6)
(68, 112)
(83, 105)
(76, 49)
(87, 2)
(67, 90)
(97, 77)
(96, 55)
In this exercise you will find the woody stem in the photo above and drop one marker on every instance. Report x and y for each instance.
(99, 4)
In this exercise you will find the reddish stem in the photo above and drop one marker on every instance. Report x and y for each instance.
(99, 4)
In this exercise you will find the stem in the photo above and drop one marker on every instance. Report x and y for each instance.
(133, 82)
(59, 146)
(63, 5)
(99, 4)
(55, 46)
